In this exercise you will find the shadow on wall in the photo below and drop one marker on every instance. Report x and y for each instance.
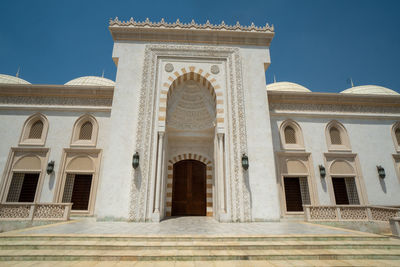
(247, 184)
(137, 178)
(383, 185)
(52, 180)
(323, 183)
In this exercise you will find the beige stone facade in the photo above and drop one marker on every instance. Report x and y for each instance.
(191, 92)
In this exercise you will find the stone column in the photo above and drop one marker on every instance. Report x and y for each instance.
(221, 179)
(156, 215)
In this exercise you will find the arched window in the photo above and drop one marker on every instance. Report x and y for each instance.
(336, 137)
(397, 134)
(345, 181)
(24, 174)
(79, 179)
(291, 135)
(85, 131)
(35, 130)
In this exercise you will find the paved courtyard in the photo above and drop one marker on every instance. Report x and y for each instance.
(185, 226)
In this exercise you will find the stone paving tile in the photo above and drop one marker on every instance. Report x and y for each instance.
(260, 263)
(206, 264)
(17, 263)
(186, 226)
(154, 264)
(184, 264)
(125, 264)
(82, 263)
(388, 263)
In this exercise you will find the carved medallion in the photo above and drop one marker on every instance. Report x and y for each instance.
(214, 69)
(169, 67)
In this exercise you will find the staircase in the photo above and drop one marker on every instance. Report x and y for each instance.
(332, 248)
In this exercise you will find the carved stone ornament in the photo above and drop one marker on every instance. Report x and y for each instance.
(353, 110)
(169, 67)
(191, 25)
(214, 69)
(62, 101)
(142, 184)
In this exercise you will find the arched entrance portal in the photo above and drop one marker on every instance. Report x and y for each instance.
(189, 188)
(191, 118)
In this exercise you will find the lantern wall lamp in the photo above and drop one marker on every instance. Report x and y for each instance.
(135, 160)
(322, 171)
(245, 162)
(50, 167)
(381, 172)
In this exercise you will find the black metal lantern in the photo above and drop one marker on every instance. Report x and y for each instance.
(245, 162)
(50, 167)
(135, 160)
(381, 171)
(322, 171)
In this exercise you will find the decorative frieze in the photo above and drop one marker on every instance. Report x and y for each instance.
(61, 101)
(192, 25)
(353, 110)
(191, 32)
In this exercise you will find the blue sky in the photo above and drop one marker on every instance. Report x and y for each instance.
(318, 43)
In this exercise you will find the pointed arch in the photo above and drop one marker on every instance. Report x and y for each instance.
(209, 179)
(337, 138)
(34, 131)
(291, 135)
(396, 135)
(85, 131)
(205, 79)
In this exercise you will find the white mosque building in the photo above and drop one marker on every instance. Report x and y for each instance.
(190, 128)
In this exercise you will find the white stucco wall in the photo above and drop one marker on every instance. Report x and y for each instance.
(370, 139)
(113, 198)
(262, 178)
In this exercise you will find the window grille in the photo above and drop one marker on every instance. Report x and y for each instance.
(351, 189)
(15, 187)
(36, 130)
(290, 135)
(397, 133)
(86, 131)
(68, 188)
(335, 136)
(305, 194)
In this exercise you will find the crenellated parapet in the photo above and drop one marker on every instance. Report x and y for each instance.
(192, 25)
(192, 32)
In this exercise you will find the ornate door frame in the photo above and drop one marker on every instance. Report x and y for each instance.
(238, 206)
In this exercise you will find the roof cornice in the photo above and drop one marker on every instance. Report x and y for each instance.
(332, 98)
(47, 90)
(191, 32)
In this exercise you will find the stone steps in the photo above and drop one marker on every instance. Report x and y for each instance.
(190, 238)
(193, 255)
(193, 245)
(197, 248)
(238, 263)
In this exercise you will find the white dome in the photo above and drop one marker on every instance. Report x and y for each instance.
(4, 78)
(286, 86)
(91, 80)
(369, 89)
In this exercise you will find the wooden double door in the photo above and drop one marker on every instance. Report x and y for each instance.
(189, 188)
